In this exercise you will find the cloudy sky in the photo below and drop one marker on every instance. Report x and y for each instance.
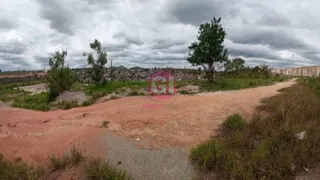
(148, 33)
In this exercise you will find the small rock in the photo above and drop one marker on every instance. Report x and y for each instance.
(305, 168)
(293, 167)
(119, 162)
(302, 135)
(137, 139)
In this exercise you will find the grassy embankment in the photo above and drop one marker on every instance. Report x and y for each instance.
(277, 146)
(21, 99)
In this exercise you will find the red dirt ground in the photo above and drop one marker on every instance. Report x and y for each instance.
(180, 121)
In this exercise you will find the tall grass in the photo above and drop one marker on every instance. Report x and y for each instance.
(267, 147)
(19, 171)
(35, 102)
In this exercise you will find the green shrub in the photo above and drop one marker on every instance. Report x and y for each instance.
(233, 123)
(206, 154)
(98, 169)
(60, 77)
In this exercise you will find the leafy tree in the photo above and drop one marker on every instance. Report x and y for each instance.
(60, 76)
(265, 70)
(235, 65)
(97, 60)
(209, 50)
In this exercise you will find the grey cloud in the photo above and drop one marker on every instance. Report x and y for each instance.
(13, 47)
(42, 60)
(180, 49)
(120, 54)
(196, 12)
(131, 39)
(165, 44)
(7, 24)
(274, 20)
(14, 60)
(268, 16)
(252, 53)
(115, 47)
(61, 18)
(274, 38)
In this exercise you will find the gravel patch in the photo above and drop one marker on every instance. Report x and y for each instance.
(160, 164)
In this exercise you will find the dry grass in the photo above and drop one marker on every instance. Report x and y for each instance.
(94, 169)
(267, 147)
(98, 169)
(73, 157)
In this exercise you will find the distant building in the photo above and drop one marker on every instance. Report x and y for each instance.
(308, 71)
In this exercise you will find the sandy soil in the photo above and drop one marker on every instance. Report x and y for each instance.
(179, 121)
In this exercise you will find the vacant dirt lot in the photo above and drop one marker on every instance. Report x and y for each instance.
(182, 121)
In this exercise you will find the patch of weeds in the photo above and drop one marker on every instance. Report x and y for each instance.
(88, 102)
(97, 95)
(99, 169)
(233, 123)
(267, 147)
(97, 91)
(67, 104)
(105, 124)
(36, 102)
(19, 171)
(206, 154)
(184, 92)
(58, 162)
(73, 157)
(76, 155)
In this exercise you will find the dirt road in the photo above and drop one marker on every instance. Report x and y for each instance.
(181, 121)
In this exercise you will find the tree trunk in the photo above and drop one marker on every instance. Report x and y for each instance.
(209, 75)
